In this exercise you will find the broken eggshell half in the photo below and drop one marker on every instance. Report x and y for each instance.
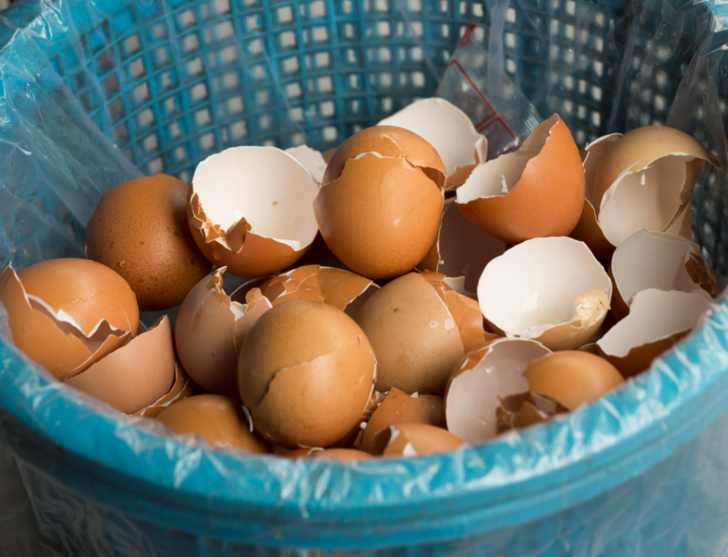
(657, 320)
(411, 440)
(536, 191)
(312, 159)
(548, 289)
(182, 388)
(251, 209)
(449, 130)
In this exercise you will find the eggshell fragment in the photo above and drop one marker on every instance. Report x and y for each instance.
(398, 407)
(219, 420)
(182, 388)
(656, 321)
(339, 455)
(534, 192)
(414, 440)
(449, 130)
(134, 376)
(250, 209)
(548, 289)
(491, 372)
(657, 260)
(210, 330)
(312, 159)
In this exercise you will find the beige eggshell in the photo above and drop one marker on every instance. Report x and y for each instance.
(449, 130)
(656, 321)
(536, 191)
(182, 388)
(210, 330)
(380, 216)
(548, 289)
(484, 375)
(136, 375)
(414, 440)
(219, 420)
(312, 159)
(572, 378)
(339, 455)
(388, 141)
(306, 372)
(55, 340)
(415, 338)
(683, 224)
(251, 210)
(398, 407)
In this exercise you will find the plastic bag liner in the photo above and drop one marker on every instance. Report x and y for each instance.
(640, 472)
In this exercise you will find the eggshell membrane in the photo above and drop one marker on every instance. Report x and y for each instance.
(311, 159)
(572, 378)
(380, 217)
(388, 141)
(491, 371)
(449, 130)
(61, 347)
(524, 293)
(683, 225)
(534, 192)
(657, 260)
(415, 338)
(136, 375)
(249, 209)
(398, 407)
(219, 420)
(306, 372)
(339, 455)
(588, 230)
(210, 330)
(461, 248)
(656, 321)
(415, 439)
(182, 388)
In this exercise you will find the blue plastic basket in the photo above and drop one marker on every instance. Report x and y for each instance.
(640, 473)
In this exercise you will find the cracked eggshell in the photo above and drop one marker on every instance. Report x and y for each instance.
(348, 440)
(449, 130)
(657, 320)
(414, 440)
(646, 180)
(487, 374)
(657, 260)
(251, 210)
(534, 192)
(135, 375)
(415, 338)
(572, 378)
(380, 216)
(548, 289)
(398, 407)
(210, 330)
(310, 158)
(66, 314)
(182, 388)
(219, 420)
(338, 455)
(306, 372)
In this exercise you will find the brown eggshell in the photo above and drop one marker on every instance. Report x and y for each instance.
(414, 440)
(534, 192)
(134, 376)
(380, 217)
(572, 377)
(306, 372)
(416, 340)
(219, 420)
(140, 230)
(339, 455)
(182, 388)
(398, 407)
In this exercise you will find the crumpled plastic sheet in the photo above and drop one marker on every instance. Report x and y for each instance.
(638, 473)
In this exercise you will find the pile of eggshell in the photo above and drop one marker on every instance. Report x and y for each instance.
(450, 300)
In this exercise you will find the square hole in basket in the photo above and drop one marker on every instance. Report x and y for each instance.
(222, 31)
(194, 66)
(145, 119)
(150, 143)
(290, 64)
(206, 141)
(319, 35)
(235, 105)
(287, 40)
(190, 43)
(348, 32)
(327, 109)
(262, 98)
(296, 114)
(111, 85)
(116, 110)
(160, 31)
(322, 60)
(202, 117)
(155, 166)
(353, 82)
(130, 46)
(140, 94)
(415, 6)
(161, 57)
(253, 23)
(198, 93)
(170, 105)
(381, 54)
(230, 81)
(186, 19)
(174, 130)
(136, 69)
(321, 85)
(284, 15)
(264, 122)
(179, 154)
(293, 90)
(121, 133)
(317, 9)
(354, 107)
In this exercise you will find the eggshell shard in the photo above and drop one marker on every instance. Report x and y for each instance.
(217, 419)
(338, 455)
(306, 372)
(210, 330)
(449, 130)
(414, 440)
(657, 260)
(525, 292)
(311, 159)
(71, 331)
(250, 209)
(133, 376)
(182, 388)
(534, 192)
(398, 407)
(656, 321)
(492, 371)
(381, 216)
(415, 338)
